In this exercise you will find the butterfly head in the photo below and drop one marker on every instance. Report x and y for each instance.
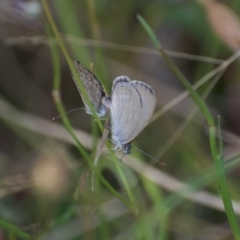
(127, 148)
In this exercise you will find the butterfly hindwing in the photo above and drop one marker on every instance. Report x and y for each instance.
(132, 105)
(94, 89)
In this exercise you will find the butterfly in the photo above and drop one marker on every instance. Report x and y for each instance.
(94, 89)
(131, 106)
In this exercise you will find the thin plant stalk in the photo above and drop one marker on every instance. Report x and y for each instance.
(14, 230)
(198, 84)
(69, 60)
(184, 125)
(57, 98)
(96, 34)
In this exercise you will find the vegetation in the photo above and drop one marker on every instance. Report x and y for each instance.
(59, 182)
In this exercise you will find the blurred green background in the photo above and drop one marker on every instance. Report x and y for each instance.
(45, 182)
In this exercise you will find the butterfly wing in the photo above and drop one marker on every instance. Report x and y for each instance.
(132, 105)
(147, 106)
(93, 87)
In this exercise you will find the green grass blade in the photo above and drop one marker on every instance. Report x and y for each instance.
(14, 230)
(223, 187)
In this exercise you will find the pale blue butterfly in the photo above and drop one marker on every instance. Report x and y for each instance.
(131, 106)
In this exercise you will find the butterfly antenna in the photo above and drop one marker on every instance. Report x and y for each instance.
(149, 156)
(76, 109)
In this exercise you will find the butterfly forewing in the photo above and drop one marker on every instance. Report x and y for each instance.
(148, 103)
